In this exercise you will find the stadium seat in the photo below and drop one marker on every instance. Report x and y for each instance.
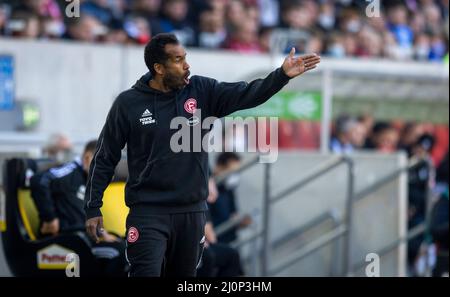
(29, 255)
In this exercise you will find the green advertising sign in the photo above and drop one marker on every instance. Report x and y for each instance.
(288, 106)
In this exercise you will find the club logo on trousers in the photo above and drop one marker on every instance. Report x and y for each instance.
(190, 105)
(133, 235)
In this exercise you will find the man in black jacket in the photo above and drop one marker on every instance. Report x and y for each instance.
(166, 190)
(59, 194)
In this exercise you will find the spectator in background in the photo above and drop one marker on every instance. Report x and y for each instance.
(371, 43)
(265, 35)
(440, 220)
(385, 138)
(212, 32)
(438, 48)
(117, 33)
(442, 175)
(433, 19)
(51, 29)
(235, 15)
(350, 21)
(42, 8)
(270, 11)
(327, 17)
(336, 47)
(349, 135)
(439, 230)
(350, 45)
(422, 47)
(99, 9)
(86, 28)
(5, 11)
(405, 29)
(402, 32)
(148, 9)
(245, 38)
(224, 208)
(24, 24)
(174, 20)
(418, 23)
(58, 148)
(378, 24)
(138, 29)
(420, 181)
(252, 11)
(367, 120)
(295, 15)
(410, 134)
(219, 260)
(315, 44)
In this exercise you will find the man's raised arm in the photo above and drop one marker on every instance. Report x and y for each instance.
(226, 98)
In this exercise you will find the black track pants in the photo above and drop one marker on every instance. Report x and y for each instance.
(165, 245)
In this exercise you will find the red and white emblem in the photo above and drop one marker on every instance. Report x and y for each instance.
(133, 235)
(190, 105)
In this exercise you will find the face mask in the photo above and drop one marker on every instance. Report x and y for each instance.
(63, 156)
(353, 26)
(232, 181)
(326, 21)
(337, 51)
(422, 52)
(55, 28)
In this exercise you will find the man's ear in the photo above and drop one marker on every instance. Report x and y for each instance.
(84, 159)
(159, 68)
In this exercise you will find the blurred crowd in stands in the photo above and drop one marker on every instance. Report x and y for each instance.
(403, 30)
(428, 181)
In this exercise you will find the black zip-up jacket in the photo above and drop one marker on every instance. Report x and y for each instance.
(59, 193)
(161, 181)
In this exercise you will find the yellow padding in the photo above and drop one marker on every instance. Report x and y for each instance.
(114, 209)
(29, 213)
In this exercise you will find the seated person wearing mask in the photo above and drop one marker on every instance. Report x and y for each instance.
(59, 197)
(218, 259)
(224, 207)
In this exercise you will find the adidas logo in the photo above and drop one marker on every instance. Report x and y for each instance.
(147, 118)
(146, 113)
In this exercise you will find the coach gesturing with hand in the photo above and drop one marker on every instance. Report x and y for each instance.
(166, 191)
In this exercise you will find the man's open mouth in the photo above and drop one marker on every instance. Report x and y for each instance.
(186, 78)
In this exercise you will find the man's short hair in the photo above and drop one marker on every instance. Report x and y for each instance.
(155, 50)
(90, 146)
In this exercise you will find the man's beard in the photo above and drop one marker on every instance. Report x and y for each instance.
(172, 82)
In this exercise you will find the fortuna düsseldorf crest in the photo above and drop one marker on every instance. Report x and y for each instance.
(190, 105)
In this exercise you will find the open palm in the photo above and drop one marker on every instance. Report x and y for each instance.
(295, 66)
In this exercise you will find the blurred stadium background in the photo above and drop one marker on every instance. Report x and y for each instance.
(363, 141)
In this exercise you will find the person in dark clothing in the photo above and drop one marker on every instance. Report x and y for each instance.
(167, 186)
(219, 259)
(58, 194)
(439, 231)
(440, 220)
(419, 181)
(224, 207)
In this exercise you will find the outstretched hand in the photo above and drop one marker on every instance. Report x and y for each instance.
(295, 66)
